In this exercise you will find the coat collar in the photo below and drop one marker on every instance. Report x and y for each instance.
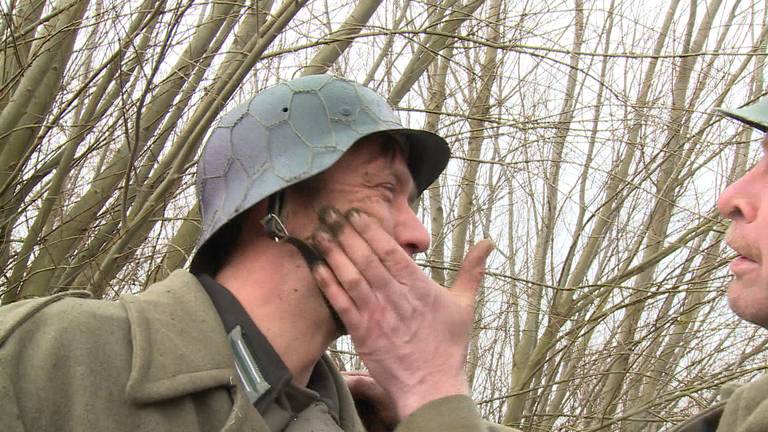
(180, 347)
(179, 343)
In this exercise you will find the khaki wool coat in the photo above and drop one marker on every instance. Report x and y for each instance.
(746, 410)
(156, 361)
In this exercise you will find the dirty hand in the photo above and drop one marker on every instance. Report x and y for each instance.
(410, 332)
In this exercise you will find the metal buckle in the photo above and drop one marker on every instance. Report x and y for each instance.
(274, 227)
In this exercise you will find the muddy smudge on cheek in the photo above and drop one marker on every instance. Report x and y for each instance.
(331, 219)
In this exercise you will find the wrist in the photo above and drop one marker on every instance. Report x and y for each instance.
(410, 401)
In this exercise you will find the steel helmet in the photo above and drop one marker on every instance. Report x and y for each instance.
(290, 132)
(755, 115)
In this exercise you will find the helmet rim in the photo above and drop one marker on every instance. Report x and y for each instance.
(754, 115)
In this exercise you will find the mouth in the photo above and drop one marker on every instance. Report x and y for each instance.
(742, 265)
(746, 258)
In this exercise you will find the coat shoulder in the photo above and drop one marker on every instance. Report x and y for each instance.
(156, 361)
(71, 328)
(59, 311)
(66, 344)
(747, 408)
(705, 421)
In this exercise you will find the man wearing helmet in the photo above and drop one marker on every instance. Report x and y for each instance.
(745, 203)
(306, 194)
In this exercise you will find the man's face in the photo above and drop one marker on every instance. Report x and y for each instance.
(372, 179)
(745, 203)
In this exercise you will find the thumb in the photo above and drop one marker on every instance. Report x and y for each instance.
(472, 269)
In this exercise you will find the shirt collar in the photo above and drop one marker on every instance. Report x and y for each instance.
(232, 315)
(321, 385)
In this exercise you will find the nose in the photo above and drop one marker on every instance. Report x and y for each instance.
(410, 233)
(737, 202)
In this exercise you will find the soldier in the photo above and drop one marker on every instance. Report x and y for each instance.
(745, 203)
(306, 193)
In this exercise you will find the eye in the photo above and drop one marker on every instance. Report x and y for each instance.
(388, 191)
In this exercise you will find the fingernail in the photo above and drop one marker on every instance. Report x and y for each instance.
(317, 268)
(354, 214)
(332, 219)
(321, 238)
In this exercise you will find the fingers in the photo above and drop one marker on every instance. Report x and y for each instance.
(392, 256)
(362, 385)
(337, 296)
(371, 269)
(347, 276)
(357, 249)
(354, 374)
(399, 319)
(472, 270)
(375, 406)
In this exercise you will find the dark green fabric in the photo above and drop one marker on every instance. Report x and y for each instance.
(283, 402)
(705, 421)
(271, 367)
(157, 361)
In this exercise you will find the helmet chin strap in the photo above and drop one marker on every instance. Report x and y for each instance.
(275, 228)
